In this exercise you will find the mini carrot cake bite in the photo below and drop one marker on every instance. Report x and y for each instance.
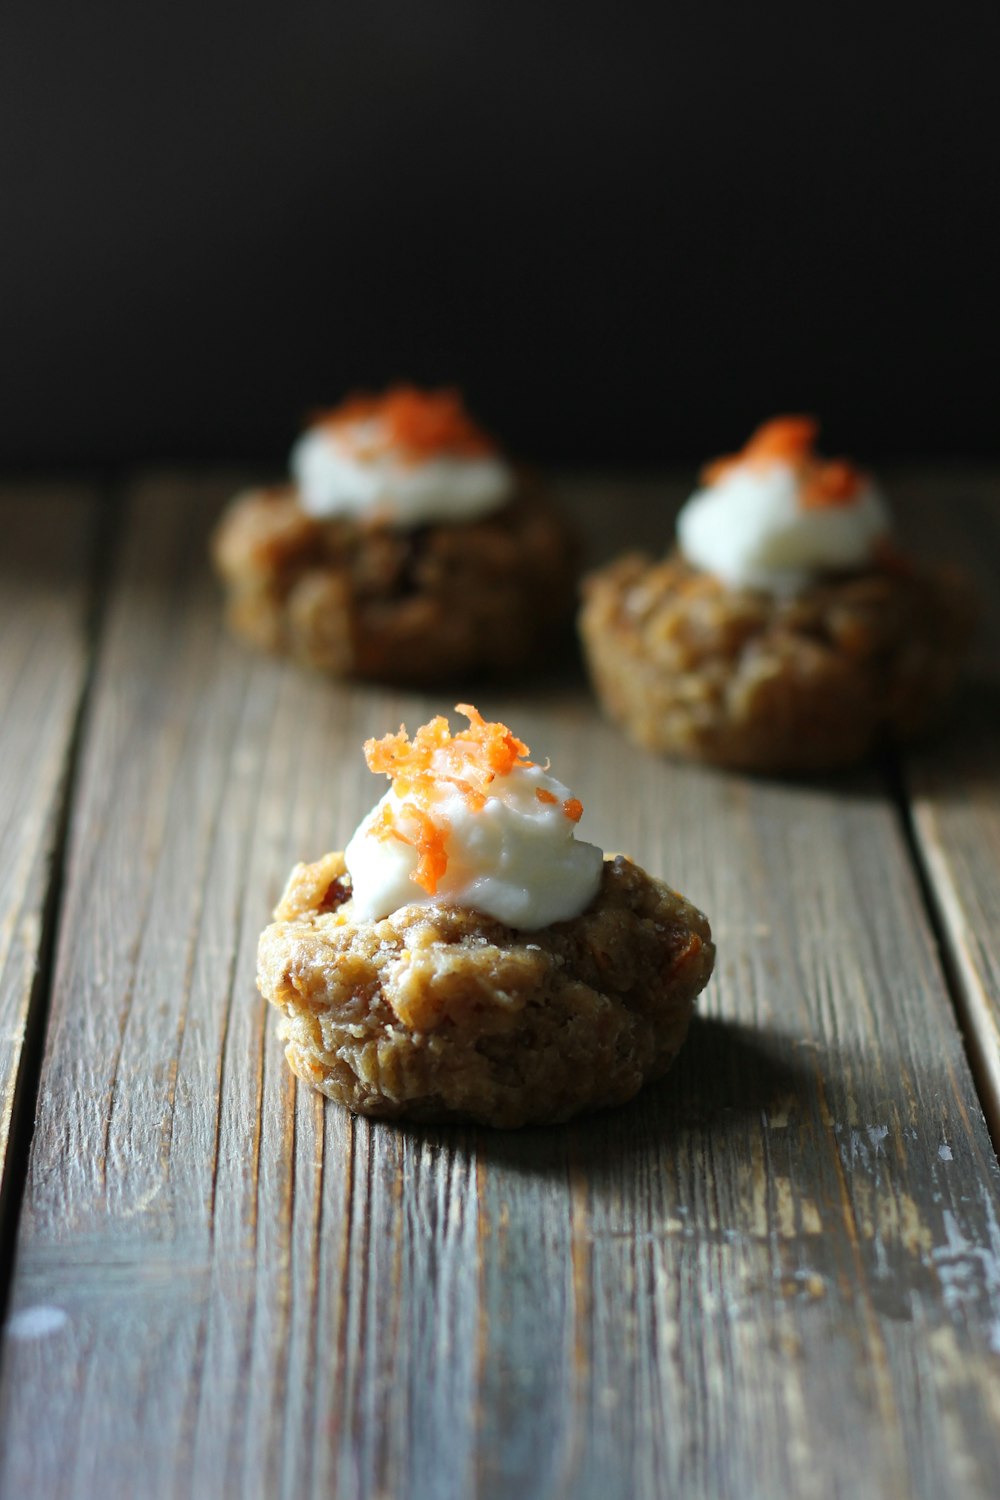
(406, 548)
(468, 957)
(785, 631)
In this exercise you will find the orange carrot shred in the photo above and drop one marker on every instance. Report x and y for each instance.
(834, 483)
(545, 796)
(420, 423)
(573, 808)
(792, 440)
(414, 827)
(784, 437)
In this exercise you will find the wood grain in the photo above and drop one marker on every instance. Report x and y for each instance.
(46, 568)
(954, 783)
(777, 1273)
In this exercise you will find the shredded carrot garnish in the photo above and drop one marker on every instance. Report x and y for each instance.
(415, 827)
(418, 423)
(834, 483)
(792, 440)
(572, 806)
(470, 761)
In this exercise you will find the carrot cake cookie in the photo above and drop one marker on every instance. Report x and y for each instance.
(469, 957)
(785, 631)
(405, 549)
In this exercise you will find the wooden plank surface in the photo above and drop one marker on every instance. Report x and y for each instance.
(954, 783)
(777, 1273)
(46, 567)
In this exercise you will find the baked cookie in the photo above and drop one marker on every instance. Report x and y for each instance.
(785, 632)
(469, 958)
(406, 550)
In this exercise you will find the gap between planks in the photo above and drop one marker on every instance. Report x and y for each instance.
(57, 540)
(950, 787)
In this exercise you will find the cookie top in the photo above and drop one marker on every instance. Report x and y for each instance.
(470, 821)
(407, 457)
(778, 515)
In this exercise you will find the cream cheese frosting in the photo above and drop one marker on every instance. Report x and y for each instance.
(776, 516)
(409, 457)
(471, 823)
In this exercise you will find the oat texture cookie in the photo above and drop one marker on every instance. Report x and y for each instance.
(785, 632)
(407, 549)
(469, 958)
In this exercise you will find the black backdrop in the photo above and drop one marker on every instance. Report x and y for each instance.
(630, 230)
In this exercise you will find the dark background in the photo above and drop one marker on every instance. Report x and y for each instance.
(630, 231)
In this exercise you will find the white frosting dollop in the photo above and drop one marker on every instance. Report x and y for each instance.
(516, 859)
(751, 529)
(349, 469)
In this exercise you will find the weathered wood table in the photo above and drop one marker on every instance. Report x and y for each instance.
(776, 1274)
